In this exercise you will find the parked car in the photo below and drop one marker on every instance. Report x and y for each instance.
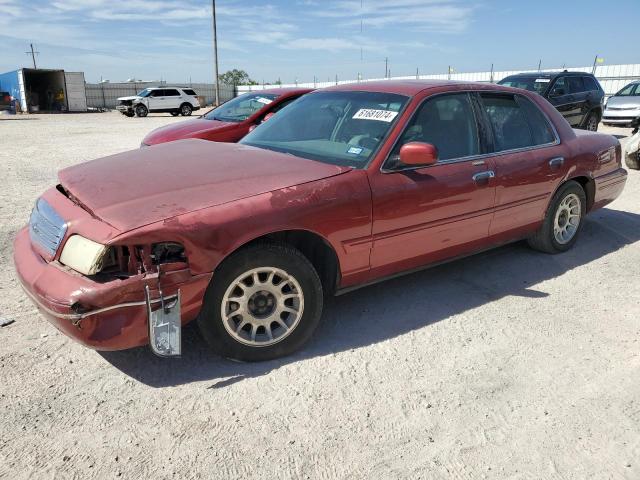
(230, 121)
(577, 96)
(5, 101)
(632, 149)
(347, 186)
(173, 100)
(623, 107)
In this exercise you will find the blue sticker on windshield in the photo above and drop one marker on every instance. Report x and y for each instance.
(355, 150)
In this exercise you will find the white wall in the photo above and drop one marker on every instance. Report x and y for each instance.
(611, 77)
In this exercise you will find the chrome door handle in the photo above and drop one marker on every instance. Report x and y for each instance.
(556, 162)
(483, 176)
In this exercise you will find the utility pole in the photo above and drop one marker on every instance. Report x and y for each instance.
(33, 56)
(386, 67)
(540, 65)
(215, 54)
(417, 74)
(491, 79)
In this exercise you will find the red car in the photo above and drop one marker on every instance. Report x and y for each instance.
(347, 186)
(230, 121)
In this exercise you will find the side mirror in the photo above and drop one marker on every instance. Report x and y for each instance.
(418, 154)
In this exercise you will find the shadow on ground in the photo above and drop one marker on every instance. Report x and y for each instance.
(398, 306)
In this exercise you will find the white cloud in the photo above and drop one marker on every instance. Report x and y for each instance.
(443, 16)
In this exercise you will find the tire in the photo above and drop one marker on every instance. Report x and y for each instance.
(546, 239)
(270, 262)
(186, 109)
(141, 111)
(174, 113)
(591, 123)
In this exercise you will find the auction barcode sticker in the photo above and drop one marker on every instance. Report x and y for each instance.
(266, 101)
(371, 114)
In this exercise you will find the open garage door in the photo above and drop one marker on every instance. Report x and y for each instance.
(76, 92)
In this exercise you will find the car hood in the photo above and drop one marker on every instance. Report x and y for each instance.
(623, 102)
(143, 186)
(180, 130)
(134, 97)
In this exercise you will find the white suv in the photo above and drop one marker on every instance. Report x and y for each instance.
(173, 100)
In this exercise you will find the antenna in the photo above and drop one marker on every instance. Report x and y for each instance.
(33, 56)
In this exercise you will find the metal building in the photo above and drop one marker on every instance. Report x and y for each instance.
(44, 90)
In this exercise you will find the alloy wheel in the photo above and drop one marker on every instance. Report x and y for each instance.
(262, 306)
(567, 219)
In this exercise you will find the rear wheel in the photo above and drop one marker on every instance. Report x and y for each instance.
(264, 302)
(186, 109)
(563, 221)
(141, 111)
(591, 123)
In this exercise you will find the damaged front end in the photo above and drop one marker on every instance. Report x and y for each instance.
(105, 294)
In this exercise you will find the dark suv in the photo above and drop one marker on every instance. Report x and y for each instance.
(578, 96)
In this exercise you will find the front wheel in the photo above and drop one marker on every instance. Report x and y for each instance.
(186, 109)
(141, 111)
(563, 220)
(264, 302)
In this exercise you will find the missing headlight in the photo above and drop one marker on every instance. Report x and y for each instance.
(167, 252)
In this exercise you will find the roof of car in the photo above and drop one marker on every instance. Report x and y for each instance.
(400, 87)
(549, 74)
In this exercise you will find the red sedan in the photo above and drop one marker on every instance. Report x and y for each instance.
(230, 121)
(347, 186)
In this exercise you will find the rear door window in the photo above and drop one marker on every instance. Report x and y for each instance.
(590, 84)
(171, 92)
(508, 122)
(541, 130)
(576, 85)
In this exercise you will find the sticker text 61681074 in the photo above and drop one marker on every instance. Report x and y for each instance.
(372, 114)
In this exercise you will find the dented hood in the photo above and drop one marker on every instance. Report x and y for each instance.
(143, 186)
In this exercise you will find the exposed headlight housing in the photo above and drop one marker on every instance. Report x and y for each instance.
(84, 255)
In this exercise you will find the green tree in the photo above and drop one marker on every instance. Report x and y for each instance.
(236, 77)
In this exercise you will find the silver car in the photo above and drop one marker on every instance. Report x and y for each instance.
(624, 107)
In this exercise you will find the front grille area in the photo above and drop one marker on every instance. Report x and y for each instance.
(46, 227)
(127, 103)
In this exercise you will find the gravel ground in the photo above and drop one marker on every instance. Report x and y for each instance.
(509, 364)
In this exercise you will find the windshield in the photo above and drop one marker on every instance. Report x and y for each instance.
(533, 84)
(241, 108)
(631, 90)
(145, 93)
(342, 128)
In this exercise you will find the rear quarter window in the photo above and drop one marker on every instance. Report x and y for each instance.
(189, 91)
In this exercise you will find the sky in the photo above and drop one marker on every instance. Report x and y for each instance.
(302, 39)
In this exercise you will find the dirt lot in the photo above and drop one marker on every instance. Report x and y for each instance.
(509, 364)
